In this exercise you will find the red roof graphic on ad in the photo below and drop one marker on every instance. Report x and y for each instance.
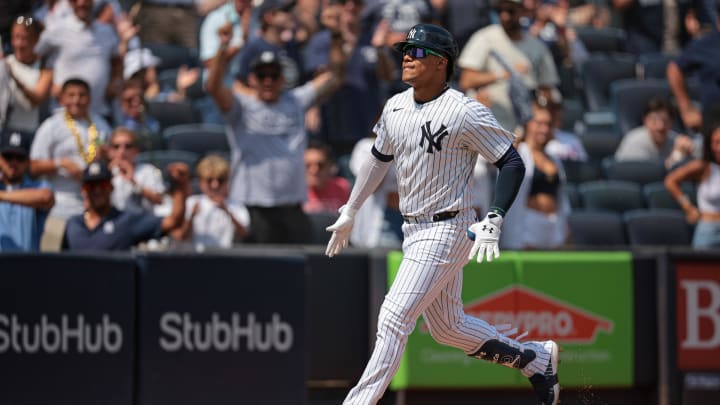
(542, 316)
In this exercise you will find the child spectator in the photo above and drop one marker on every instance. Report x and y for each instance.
(212, 221)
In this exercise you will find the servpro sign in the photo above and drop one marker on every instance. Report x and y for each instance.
(698, 315)
(582, 300)
(542, 316)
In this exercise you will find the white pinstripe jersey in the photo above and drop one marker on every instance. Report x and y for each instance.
(435, 146)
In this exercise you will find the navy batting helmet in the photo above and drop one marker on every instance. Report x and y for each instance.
(432, 37)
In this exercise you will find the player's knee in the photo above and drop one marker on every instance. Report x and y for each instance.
(445, 333)
(394, 318)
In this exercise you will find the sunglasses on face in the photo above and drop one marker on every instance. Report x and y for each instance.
(123, 145)
(103, 184)
(510, 10)
(417, 52)
(22, 20)
(266, 75)
(220, 180)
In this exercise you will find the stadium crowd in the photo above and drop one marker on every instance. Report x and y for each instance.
(202, 124)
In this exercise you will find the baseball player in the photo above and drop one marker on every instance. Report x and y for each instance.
(434, 134)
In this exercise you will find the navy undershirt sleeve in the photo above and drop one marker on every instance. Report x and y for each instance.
(510, 176)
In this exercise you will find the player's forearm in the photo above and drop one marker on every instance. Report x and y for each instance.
(371, 174)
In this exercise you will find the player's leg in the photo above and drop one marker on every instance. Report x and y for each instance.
(429, 262)
(449, 325)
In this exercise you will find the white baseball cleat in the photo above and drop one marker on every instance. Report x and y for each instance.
(547, 384)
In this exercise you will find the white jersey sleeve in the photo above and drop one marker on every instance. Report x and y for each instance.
(483, 134)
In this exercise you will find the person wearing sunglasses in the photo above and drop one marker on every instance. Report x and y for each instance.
(267, 137)
(211, 221)
(434, 135)
(103, 227)
(135, 186)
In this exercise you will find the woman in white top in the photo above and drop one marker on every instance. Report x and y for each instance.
(25, 80)
(538, 218)
(706, 173)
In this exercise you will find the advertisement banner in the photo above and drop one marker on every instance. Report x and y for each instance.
(67, 329)
(698, 315)
(222, 330)
(582, 300)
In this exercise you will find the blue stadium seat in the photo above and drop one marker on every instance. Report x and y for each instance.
(596, 228)
(657, 227)
(611, 195)
(598, 71)
(609, 39)
(198, 138)
(641, 172)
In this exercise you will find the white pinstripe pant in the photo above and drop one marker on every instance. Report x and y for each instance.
(429, 282)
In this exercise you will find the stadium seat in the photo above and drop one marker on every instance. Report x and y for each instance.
(609, 39)
(611, 195)
(598, 71)
(198, 138)
(657, 227)
(161, 158)
(641, 172)
(629, 98)
(600, 143)
(172, 56)
(571, 191)
(580, 172)
(171, 113)
(599, 228)
(318, 222)
(657, 196)
(653, 65)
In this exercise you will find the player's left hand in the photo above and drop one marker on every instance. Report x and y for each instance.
(341, 231)
(486, 235)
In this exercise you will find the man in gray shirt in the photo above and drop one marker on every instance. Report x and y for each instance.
(266, 132)
(79, 46)
(655, 141)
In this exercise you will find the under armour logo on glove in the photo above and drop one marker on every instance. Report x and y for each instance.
(486, 235)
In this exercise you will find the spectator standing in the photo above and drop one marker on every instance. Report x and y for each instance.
(355, 105)
(63, 145)
(104, 227)
(78, 46)
(502, 52)
(276, 35)
(135, 186)
(211, 221)
(24, 80)
(266, 132)
(705, 172)
(540, 220)
(655, 140)
(699, 59)
(24, 202)
(327, 192)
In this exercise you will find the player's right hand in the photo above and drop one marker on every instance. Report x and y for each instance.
(340, 231)
(486, 235)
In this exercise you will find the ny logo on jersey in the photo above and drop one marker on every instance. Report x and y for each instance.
(434, 138)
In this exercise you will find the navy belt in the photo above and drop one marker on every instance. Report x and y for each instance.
(440, 216)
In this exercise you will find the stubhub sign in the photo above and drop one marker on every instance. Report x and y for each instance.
(216, 329)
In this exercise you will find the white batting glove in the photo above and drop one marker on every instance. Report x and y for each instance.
(341, 231)
(486, 235)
